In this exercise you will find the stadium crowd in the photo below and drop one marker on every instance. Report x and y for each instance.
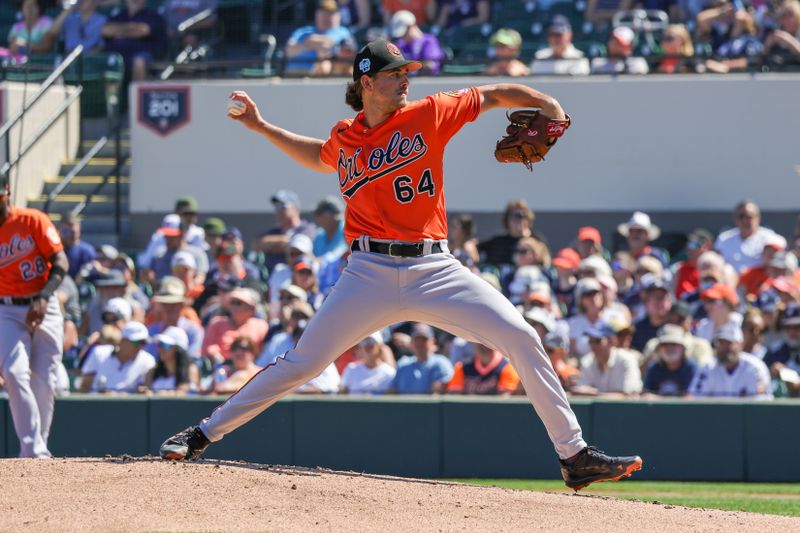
(201, 311)
(496, 37)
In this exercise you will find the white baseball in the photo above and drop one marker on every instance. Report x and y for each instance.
(236, 108)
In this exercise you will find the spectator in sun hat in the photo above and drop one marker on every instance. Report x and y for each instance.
(620, 58)
(743, 245)
(720, 302)
(734, 373)
(559, 56)
(275, 242)
(607, 369)
(687, 276)
(415, 44)
(171, 309)
(672, 371)
(639, 232)
(505, 46)
(329, 218)
(657, 300)
(698, 349)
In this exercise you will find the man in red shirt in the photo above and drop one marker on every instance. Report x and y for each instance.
(32, 266)
(389, 162)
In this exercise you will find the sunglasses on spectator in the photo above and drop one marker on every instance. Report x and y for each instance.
(518, 215)
(522, 251)
(667, 37)
(239, 348)
(745, 216)
(752, 329)
(237, 303)
(287, 298)
(165, 345)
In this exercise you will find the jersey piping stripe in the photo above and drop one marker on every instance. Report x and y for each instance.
(356, 186)
(272, 364)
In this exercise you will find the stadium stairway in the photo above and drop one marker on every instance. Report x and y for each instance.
(98, 226)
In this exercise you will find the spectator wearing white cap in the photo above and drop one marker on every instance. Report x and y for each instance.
(370, 374)
(125, 370)
(590, 302)
(171, 309)
(274, 243)
(241, 321)
(620, 59)
(184, 267)
(415, 44)
(301, 248)
(174, 374)
(639, 232)
(743, 245)
(734, 373)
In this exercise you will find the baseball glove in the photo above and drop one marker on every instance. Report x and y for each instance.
(529, 137)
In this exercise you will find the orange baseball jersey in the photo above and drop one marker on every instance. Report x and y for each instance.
(473, 377)
(391, 175)
(27, 242)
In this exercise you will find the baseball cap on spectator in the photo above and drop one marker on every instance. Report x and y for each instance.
(214, 226)
(232, 233)
(768, 301)
(285, 197)
(540, 292)
(329, 204)
(608, 282)
(302, 265)
(302, 243)
(246, 295)
(171, 226)
(400, 22)
(559, 24)
(648, 263)
(586, 286)
(174, 336)
(681, 309)
(623, 261)
(730, 332)
(506, 37)
(784, 261)
(295, 292)
(302, 310)
(783, 284)
(556, 339)
(171, 291)
(109, 252)
(638, 219)
(182, 258)
(524, 278)
(601, 330)
(422, 330)
(124, 262)
(328, 5)
(540, 316)
(624, 36)
(135, 332)
(112, 278)
(186, 204)
(120, 308)
(620, 324)
(595, 264)
(791, 316)
(588, 233)
(374, 338)
(721, 291)
(671, 334)
(698, 237)
(651, 282)
(567, 258)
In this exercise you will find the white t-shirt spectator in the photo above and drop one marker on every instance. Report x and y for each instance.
(705, 327)
(362, 380)
(572, 63)
(621, 374)
(123, 377)
(744, 253)
(749, 378)
(327, 382)
(97, 354)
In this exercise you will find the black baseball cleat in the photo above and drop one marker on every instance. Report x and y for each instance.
(591, 465)
(188, 444)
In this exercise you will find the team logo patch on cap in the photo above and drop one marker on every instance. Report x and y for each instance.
(393, 50)
(457, 93)
(364, 65)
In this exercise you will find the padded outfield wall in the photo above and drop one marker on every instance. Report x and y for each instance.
(446, 437)
(685, 148)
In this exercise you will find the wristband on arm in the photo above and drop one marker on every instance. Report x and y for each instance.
(53, 282)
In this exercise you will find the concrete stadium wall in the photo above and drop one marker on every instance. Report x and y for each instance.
(446, 437)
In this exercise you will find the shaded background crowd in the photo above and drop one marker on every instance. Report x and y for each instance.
(202, 309)
(495, 37)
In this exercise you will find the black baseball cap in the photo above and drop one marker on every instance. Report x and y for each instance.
(379, 56)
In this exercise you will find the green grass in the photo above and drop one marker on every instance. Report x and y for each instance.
(769, 498)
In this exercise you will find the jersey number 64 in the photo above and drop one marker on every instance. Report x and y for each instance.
(404, 190)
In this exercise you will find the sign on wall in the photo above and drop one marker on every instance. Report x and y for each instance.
(164, 109)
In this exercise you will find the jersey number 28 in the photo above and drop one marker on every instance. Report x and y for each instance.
(32, 269)
(404, 189)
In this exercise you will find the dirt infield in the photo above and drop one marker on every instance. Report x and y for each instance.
(147, 494)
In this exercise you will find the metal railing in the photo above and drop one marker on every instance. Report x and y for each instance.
(77, 169)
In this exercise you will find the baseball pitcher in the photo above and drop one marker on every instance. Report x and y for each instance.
(389, 162)
(32, 266)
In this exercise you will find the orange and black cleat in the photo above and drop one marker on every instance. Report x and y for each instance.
(591, 465)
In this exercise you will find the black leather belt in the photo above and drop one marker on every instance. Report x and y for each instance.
(16, 300)
(398, 249)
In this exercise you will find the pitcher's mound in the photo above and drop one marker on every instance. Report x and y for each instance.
(147, 494)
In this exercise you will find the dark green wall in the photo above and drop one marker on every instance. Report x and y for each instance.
(446, 437)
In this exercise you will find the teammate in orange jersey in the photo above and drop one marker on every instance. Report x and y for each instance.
(32, 266)
(389, 162)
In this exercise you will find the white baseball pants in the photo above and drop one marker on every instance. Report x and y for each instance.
(375, 291)
(29, 365)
